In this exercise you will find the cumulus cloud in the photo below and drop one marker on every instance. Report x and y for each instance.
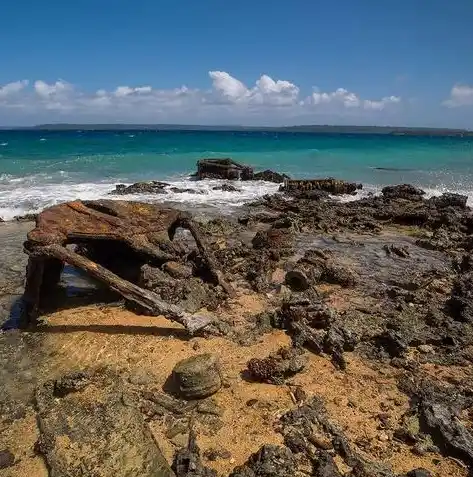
(227, 97)
(460, 95)
(12, 88)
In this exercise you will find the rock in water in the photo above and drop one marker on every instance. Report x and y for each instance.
(403, 191)
(197, 377)
(151, 187)
(226, 188)
(450, 200)
(86, 429)
(270, 176)
(330, 185)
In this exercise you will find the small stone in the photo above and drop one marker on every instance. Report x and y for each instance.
(198, 377)
(7, 459)
(426, 348)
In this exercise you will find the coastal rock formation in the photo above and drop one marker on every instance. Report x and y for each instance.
(222, 169)
(150, 187)
(197, 377)
(402, 191)
(270, 176)
(330, 185)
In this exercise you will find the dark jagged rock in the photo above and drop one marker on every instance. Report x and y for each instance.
(330, 185)
(297, 280)
(187, 462)
(403, 191)
(197, 377)
(275, 368)
(460, 303)
(449, 199)
(222, 169)
(25, 218)
(269, 461)
(270, 176)
(325, 466)
(7, 459)
(437, 411)
(226, 188)
(150, 187)
(179, 190)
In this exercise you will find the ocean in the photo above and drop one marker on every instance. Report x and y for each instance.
(40, 168)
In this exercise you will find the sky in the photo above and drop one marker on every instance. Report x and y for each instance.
(405, 63)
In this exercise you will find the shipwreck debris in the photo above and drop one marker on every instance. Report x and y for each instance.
(146, 230)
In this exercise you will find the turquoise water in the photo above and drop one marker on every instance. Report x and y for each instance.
(40, 168)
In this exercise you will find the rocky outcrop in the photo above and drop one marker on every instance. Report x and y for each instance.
(330, 185)
(150, 187)
(278, 366)
(197, 377)
(450, 200)
(270, 176)
(223, 169)
(403, 191)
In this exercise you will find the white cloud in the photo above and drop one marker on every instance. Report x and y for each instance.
(227, 98)
(460, 95)
(46, 90)
(381, 104)
(12, 88)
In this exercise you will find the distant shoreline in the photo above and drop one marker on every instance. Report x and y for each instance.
(314, 129)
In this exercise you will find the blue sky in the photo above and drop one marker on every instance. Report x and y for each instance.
(246, 62)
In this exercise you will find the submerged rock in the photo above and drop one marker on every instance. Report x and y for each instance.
(197, 377)
(178, 190)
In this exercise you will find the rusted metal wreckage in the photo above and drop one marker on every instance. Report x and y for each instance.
(144, 229)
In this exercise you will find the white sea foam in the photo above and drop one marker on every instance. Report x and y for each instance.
(31, 194)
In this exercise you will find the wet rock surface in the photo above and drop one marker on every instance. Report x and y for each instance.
(151, 187)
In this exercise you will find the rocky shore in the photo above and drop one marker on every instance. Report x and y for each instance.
(345, 351)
